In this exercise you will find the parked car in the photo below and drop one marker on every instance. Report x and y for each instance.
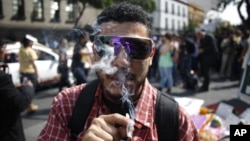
(46, 63)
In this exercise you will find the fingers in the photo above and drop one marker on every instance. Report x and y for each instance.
(116, 119)
(103, 128)
(97, 133)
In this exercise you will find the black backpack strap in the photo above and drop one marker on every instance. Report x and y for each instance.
(167, 118)
(82, 108)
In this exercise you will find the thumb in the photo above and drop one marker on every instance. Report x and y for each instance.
(127, 131)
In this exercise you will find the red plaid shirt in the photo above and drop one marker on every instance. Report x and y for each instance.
(145, 128)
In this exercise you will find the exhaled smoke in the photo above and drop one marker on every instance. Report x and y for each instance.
(127, 101)
(105, 64)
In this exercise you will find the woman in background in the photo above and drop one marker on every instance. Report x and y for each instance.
(166, 63)
(28, 69)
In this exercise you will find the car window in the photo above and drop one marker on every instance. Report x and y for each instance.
(44, 55)
(10, 57)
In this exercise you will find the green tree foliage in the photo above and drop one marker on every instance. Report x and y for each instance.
(239, 3)
(191, 26)
(148, 5)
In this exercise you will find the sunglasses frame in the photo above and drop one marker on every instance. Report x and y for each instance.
(101, 54)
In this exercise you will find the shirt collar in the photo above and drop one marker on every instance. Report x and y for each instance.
(144, 110)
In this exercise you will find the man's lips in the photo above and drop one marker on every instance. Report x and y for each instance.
(120, 83)
(117, 81)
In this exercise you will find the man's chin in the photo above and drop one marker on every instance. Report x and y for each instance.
(114, 96)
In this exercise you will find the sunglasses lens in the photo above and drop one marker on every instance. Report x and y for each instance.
(102, 46)
(137, 48)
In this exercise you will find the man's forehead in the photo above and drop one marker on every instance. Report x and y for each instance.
(125, 28)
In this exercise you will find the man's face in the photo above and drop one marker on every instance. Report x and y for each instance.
(64, 43)
(199, 35)
(31, 43)
(84, 39)
(131, 72)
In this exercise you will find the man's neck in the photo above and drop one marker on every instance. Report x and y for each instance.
(115, 107)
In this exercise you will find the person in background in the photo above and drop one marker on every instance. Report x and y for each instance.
(86, 57)
(63, 68)
(79, 54)
(246, 51)
(125, 38)
(166, 63)
(208, 56)
(188, 65)
(13, 102)
(175, 42)
(237, 63)
(194, 51)
(153, 73)
(227, 47)
(28, 69)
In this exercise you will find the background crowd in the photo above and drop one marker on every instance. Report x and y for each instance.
(189, 58)
(182, 60)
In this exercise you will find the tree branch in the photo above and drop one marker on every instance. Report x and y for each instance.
(239, 11)
(248, 7)
(248, 13)
(80, 14)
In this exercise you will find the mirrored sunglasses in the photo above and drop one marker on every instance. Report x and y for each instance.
(136, 48)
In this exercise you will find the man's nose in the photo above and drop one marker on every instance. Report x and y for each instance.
(121, 60)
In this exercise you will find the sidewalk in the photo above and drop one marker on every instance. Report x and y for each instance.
(220, 91)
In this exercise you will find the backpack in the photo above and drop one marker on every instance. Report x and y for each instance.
(166, 113)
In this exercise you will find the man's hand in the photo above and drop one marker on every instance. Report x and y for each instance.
(27, 82)
(107, 128)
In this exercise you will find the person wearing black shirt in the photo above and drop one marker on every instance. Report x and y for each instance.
(77, 65)
(208, 56)
(13, 102)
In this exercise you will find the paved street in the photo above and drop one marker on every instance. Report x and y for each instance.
(219, 91)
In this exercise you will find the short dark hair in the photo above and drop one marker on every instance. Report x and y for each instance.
(168, 36)
(125, 12)
(25, 41)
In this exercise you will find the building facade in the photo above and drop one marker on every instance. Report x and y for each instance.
(195, 14)
(171, 16)
(44, 19)
(206, 5)
(51, 19)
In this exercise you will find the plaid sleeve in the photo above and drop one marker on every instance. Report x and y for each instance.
(188, 131)
(59, 116)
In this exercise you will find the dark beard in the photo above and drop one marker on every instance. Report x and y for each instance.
(117, 98)
(121, 108)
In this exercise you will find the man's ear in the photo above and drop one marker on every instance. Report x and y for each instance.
(152, 55)
(153, 51)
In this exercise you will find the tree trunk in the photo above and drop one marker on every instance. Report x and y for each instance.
(248, 13)
(245, 20)
(80, 15)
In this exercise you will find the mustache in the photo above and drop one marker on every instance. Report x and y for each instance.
(124, 75)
